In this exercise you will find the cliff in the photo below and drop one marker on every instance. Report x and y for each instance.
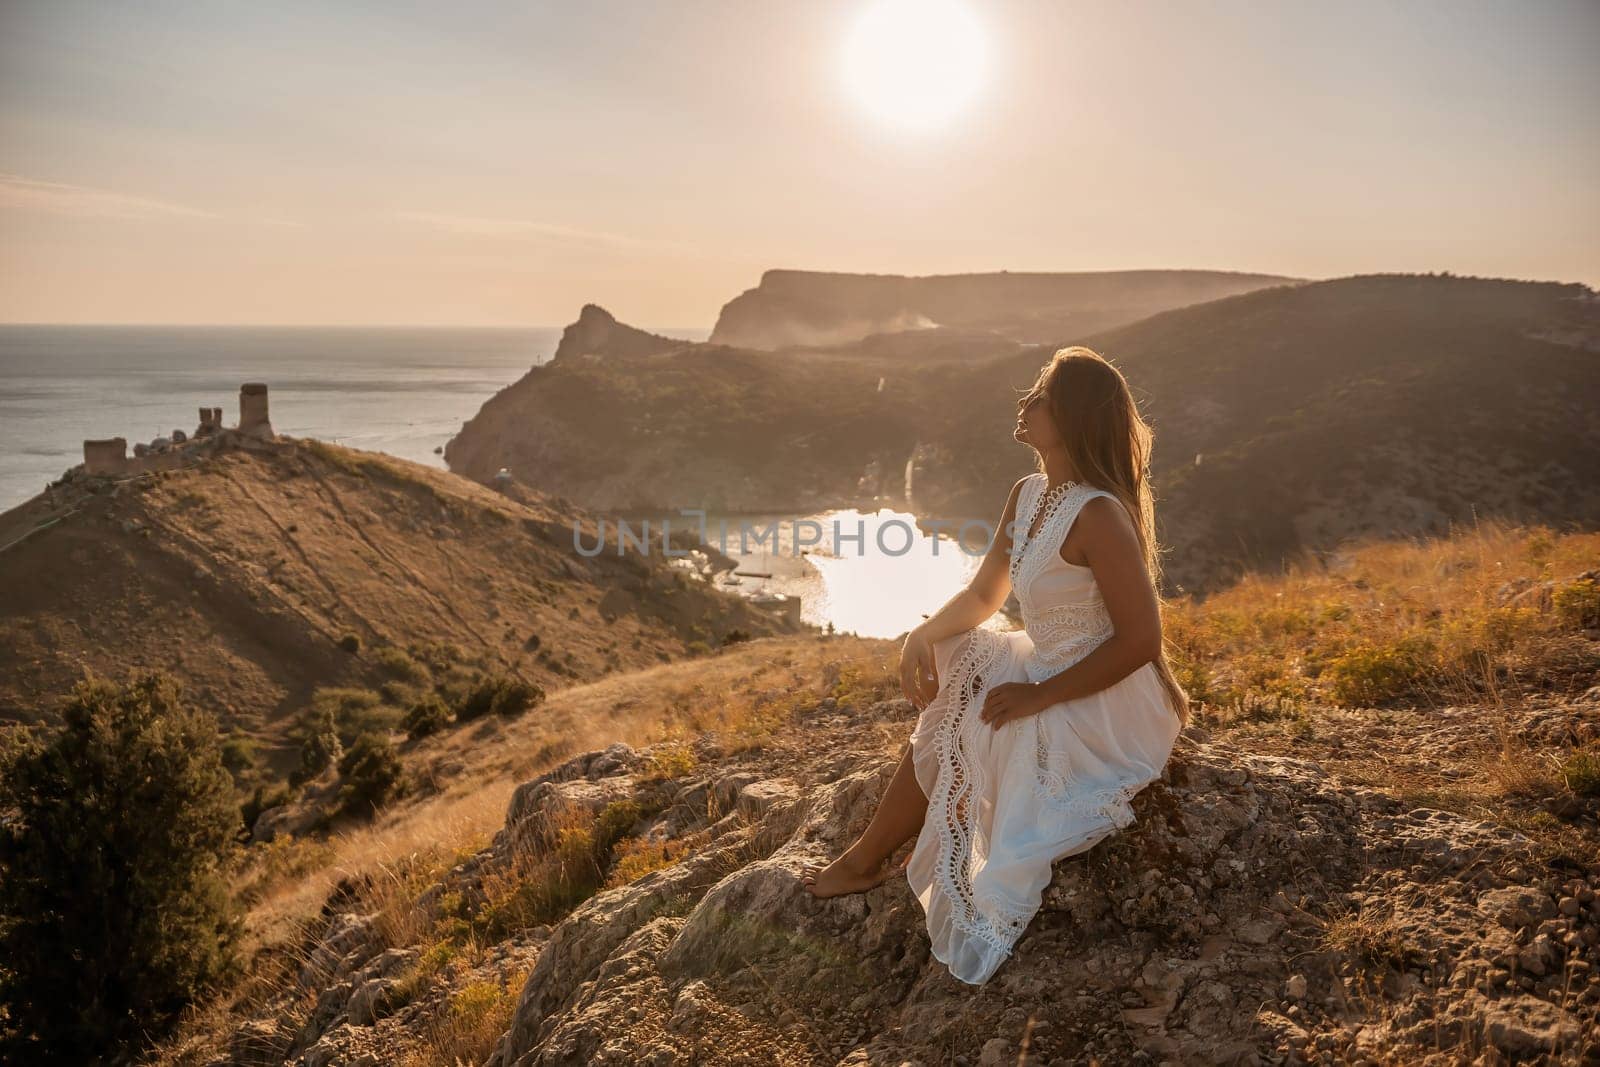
(598, 333)
(794, 307)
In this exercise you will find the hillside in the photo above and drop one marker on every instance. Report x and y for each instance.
(1287, 419)
(1401, 873)
(1294, 419)
(247, 573)
(807, 308)
(703, 425)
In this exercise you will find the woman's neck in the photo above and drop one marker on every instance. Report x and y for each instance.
(1057, 470)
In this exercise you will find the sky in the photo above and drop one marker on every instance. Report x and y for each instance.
(472, 163)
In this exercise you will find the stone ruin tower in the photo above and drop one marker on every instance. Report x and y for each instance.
(253, 421)
(210, 422)
(108, 456)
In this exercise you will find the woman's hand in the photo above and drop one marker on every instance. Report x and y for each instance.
(1010, 701)
(918, 680)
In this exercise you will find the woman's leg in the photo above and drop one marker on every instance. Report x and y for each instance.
(864, 864)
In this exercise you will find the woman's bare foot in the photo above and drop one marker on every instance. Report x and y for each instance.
(844, 875)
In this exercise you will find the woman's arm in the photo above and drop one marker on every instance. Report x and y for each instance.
(987, 590)
(1112, 547)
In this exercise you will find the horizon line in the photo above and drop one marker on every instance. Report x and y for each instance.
(326, 325)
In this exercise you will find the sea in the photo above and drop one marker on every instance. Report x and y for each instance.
(400, 390)
(404, 391)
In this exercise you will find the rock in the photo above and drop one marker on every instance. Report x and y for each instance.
(1526, 1026)
(996, 1051)
(1516, 907)
(1192, 935)
(347, 943)
(271, 822)
(259, 1043)
(758, 798)
(369, 1000)
(1539, 956)
(691, 1005)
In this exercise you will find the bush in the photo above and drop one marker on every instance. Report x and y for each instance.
(350, 642)
(355, 712)
(1578, 604)
(114, 906)
(478, 701)
(320, 746)
(371, 772)
(1370, 675)
(402, 665)
(1581, 772)
(238, 754)
(264, 797)
(515, 697)
(734, 637)
(427, 716)
(398, 694)
(501, 695)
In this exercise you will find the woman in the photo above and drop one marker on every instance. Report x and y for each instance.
(1031, 743)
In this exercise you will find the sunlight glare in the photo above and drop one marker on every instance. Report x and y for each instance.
(915, 63)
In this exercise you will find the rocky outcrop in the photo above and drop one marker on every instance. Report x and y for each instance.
(598, 333)
(797, 307)
(1259, 910)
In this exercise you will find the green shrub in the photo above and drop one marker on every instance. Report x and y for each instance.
(427, 716)
(320, 746)
(355, 712)
(1369, 675)
(371, 772)
(400, 664)
(1581, 771)
(502, 695)
(478, 701)
(1578, 604)
(350, 642)
(398, 694)
(115, 912)
(514, 697)
(238, 754)
(735, 636)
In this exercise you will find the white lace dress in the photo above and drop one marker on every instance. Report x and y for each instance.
(1004, 804)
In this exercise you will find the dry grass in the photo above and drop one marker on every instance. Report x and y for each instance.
(1403, 621)
(469, 1024)
(722, 694)
(741, 694)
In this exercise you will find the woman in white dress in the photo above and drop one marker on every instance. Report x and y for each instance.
(1031, 743)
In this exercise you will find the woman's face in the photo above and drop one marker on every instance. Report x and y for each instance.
(1034, 425)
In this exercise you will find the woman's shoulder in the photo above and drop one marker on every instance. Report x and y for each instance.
(1111, 511)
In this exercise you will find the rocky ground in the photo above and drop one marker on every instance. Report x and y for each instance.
(1277, 901)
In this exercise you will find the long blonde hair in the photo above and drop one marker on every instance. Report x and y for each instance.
(1109, 444)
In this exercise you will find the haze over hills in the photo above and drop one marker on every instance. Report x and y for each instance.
(242, 573)
(798, 307)
(1287, 419)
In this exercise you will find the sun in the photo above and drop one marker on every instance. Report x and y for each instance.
(915, 63)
